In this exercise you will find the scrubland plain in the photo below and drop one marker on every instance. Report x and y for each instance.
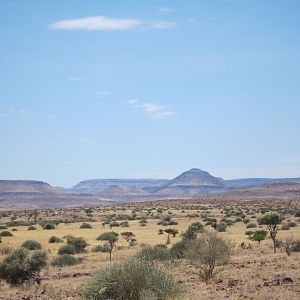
(253, 272)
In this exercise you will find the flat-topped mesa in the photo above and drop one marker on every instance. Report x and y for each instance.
(25, 186)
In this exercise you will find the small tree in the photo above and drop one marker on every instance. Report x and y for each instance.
(193, 230)
(111, 238)
(127, 235)
(258, 236)
(171, 231)
(288, 244)
(272, 221)
(208, 252)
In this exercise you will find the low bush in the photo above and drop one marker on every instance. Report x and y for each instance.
(55, 239)
(153, 253)
(32, 245)
(296, 246)
(134, 280)
(221, 227)
(48, 226)
(86, 226)
(3, 227)
(285, 227)
(19, 267)
(31, 228)
(78, 242)
(105, 248)
(251, 225)
(178, 249)
(67, 249)
(6, 233)
(65, 260)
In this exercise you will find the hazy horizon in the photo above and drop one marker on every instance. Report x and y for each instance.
(149, 89)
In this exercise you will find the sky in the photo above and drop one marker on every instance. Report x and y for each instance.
(149, 89)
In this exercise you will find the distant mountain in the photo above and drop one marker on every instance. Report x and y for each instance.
(190, 184)
(25, 186)
(269, 190)
(95, 186)
(258, 181)
(29, 194)
(196, 177)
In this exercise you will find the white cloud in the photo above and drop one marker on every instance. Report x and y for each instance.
(154, 110)
(104, 93)
(165, 10)
(103, 23)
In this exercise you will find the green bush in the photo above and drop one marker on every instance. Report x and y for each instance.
(55, 239)
(296, 247)
(31, 228)
(86, 226)
(19, 267)
(6, 233)
(153, 253)
(65, 260)
(105, 248)
(78, 242)
(285, 227)
(251, 225)
(67, 249)
(49, 226)
(221, 227)
(207, 253)
(178, 249)
(134, 280)
(32, 245)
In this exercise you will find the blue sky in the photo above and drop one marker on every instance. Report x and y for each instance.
(126, 89)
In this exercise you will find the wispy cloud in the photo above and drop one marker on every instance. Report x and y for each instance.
(165, 10)
(154, 110)
(5, 111)
(103, 23)
(104, 93)
(76, 78)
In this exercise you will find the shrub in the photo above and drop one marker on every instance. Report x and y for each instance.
(48, 226)
(193, 230)
(65, 260)
(296, 247)
(19, 267)
(105, 248)
(251, 225)
(67, 249)
(6, 233)
(134, 280)
(31, 228)
(86, 226)
(285, 226)
(3, 227)
(32, 245)
(78, 242)
(208, 252)
(178, 249)
(55, 239)
(14, 229)
(157, 252)
(221, 227)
